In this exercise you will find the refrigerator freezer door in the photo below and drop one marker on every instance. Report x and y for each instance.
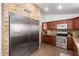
(34, 35)
(19, 35)
(24, 35)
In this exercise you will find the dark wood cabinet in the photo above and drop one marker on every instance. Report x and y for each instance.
(72, 46)
(46, 38)
(49, 39)
(44, 26)
(70, 23)
(53, 42)
(53, 24)
(49, 25)
(75, 49)
(76, 23)
(70, 43)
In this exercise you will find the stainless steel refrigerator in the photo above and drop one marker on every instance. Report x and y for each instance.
(24, 35)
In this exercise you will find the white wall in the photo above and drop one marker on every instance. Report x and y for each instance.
(0, 28)
(58, 17)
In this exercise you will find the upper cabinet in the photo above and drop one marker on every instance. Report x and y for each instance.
(76, 23)
(48, 25)
(51, 25)
(44, 26)
(70, 24)
(62, 24)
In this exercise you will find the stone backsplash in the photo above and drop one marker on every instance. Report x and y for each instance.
(75, 33)
(53, 32)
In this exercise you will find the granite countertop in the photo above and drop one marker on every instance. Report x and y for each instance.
(76, 40)
(49, 34)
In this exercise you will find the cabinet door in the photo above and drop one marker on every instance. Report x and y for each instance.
(19, 35)
(50, 25)
(44, 26)
(70, 43)
(53, 42)
(34, 35)
(44, 38)
(70, 24)
(75, 51)
(49, 39)
(76, 23)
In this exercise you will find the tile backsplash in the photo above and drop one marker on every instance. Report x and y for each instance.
(75, 33)
(53, 32)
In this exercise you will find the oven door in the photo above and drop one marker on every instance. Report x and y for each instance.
(61, 39)
(61, 45)
(61, 42)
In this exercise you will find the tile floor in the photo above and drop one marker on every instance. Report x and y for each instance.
(49, 50)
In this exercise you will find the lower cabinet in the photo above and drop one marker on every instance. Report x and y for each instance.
(76, 23)
(49, 39)
(53, 40)
(75, 49)
(70, 43)
(72, 46)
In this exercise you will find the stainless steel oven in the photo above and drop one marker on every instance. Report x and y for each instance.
(61, 40)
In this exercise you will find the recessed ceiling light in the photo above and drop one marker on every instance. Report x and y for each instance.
(46, 9)
(59, 7)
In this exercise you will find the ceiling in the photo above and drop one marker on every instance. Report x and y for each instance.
(67, 8)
